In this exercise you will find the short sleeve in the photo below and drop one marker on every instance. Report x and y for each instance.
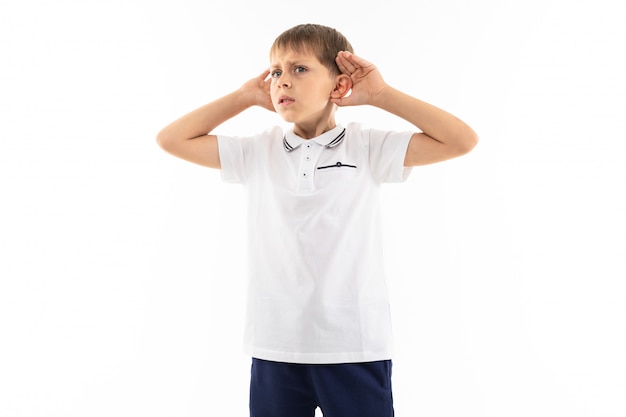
(232, 152)
(387, 151)
(240, 155)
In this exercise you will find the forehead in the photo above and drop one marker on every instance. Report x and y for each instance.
(288, 54)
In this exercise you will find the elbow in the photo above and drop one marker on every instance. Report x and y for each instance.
(163, 140)
(467, 141)
(471, 140)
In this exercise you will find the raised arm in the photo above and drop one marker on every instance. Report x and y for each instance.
(189, 137)
(443, 136)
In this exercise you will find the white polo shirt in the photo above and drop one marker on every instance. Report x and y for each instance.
(316, 290)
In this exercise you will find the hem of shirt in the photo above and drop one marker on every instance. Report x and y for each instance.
(403, 172)
(317, 358)
(227, 171)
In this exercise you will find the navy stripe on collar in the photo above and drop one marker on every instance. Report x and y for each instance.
(331, 144)
(338, 139)
(286, 144)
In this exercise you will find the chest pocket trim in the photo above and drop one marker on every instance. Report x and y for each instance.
(337, 165)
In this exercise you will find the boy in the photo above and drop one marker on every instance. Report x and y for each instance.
(318, 326)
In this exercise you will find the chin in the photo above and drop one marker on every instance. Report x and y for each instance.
(287, 118)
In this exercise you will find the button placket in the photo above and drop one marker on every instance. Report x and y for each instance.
(305, 172)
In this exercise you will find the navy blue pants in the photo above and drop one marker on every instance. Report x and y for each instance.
(340, 390)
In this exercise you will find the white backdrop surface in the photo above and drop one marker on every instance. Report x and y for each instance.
(122, 276)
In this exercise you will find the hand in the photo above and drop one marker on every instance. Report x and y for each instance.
(367, 82)
(257, 91)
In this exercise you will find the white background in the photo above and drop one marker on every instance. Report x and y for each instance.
(121, 271)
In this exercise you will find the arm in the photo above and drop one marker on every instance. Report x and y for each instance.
(442, 136)
(189, 137)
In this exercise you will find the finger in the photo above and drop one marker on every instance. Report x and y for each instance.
(338, 101)
(342, 101)
(345, 64)
(263, 76)
(358, 61)
(341, 63)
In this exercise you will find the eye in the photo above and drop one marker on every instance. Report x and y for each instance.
(299, 69)
(275, 73)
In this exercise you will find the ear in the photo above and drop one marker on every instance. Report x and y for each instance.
(343, 85)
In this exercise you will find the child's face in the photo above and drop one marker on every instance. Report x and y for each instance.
(301, 86)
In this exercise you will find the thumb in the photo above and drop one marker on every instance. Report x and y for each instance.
(344, 100)
(341, 101)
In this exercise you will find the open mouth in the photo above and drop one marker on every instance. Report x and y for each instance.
(285, 101)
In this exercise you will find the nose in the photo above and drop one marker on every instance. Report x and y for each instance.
(284, 81)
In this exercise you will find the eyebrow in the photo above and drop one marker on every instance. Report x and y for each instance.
(301, 58)
(305, 61)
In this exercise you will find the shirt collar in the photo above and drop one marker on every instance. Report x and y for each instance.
(329, 139)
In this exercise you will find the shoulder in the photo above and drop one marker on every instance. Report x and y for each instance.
(248, 144)
(356, 133)
(269, 133)
(252, 143)
(354, 129)
(373, 136)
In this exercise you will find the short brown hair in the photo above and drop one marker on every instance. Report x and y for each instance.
(325, 42)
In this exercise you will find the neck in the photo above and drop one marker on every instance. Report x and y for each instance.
(312, 129)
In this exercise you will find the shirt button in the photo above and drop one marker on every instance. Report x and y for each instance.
(304, 174)
(308, 158)
(308, 146)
